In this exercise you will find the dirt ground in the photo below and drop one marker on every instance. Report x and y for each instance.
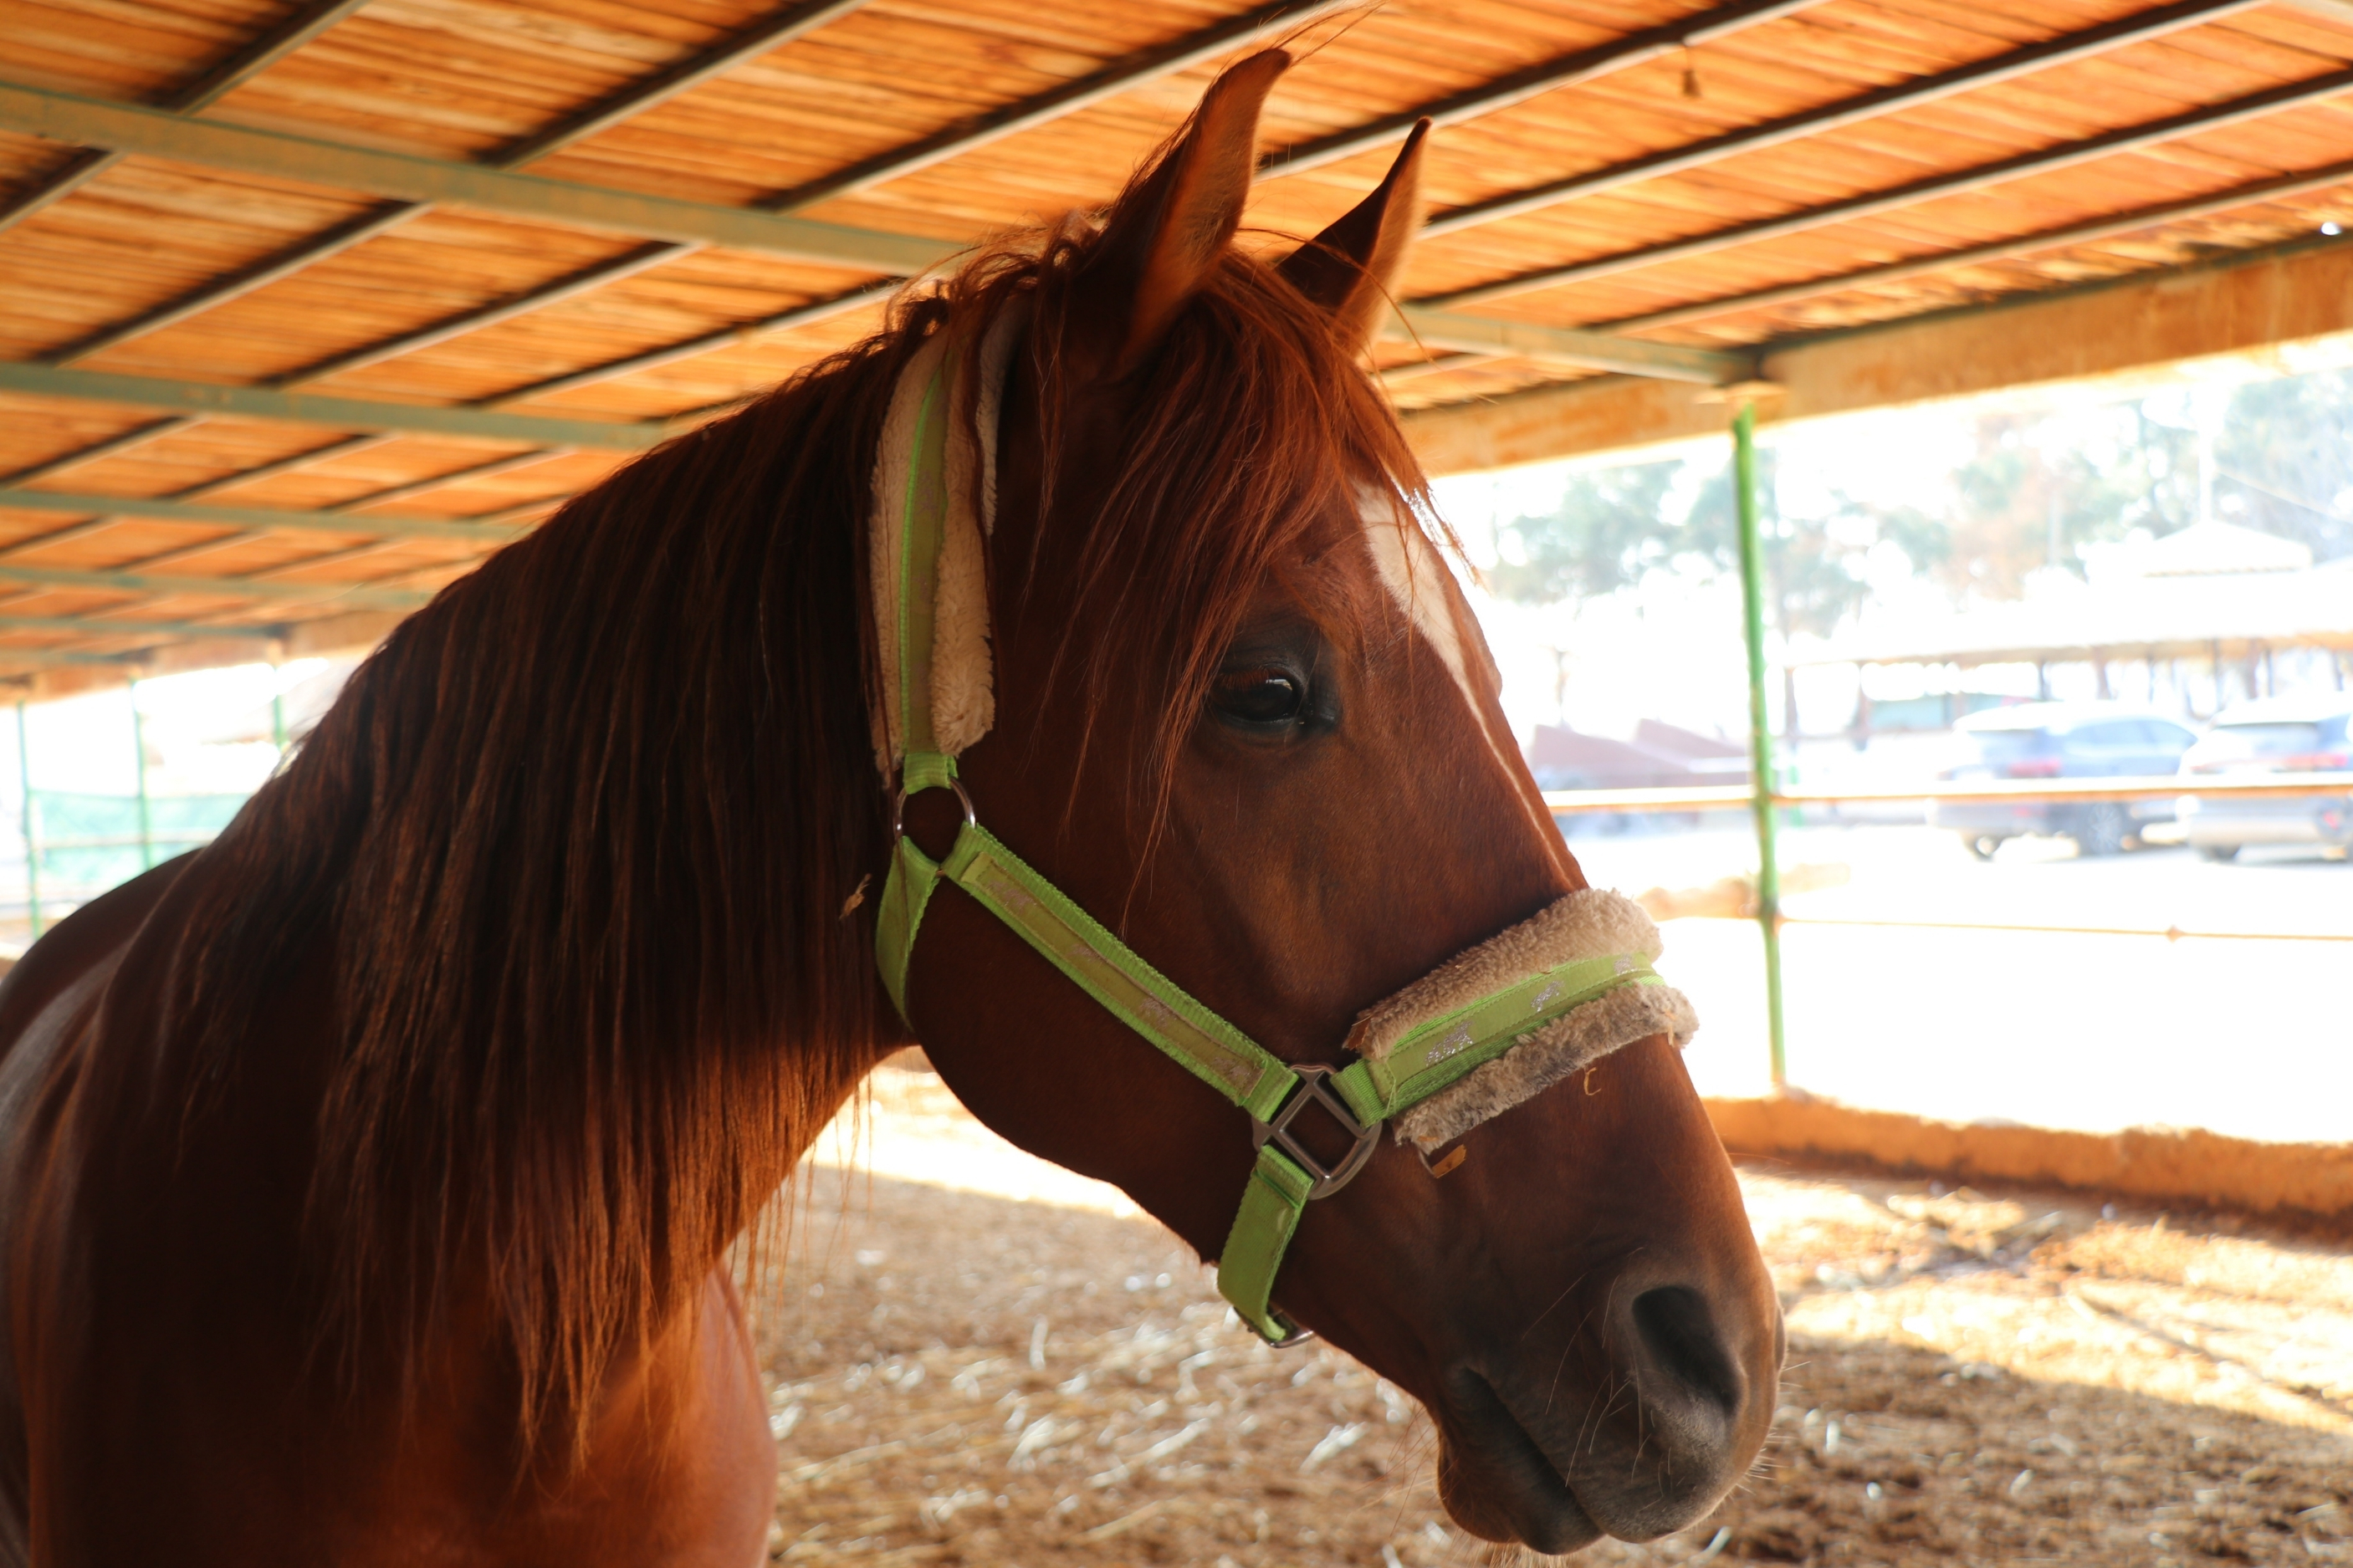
(979, 1359)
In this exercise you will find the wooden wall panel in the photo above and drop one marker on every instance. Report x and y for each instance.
(2132, 329)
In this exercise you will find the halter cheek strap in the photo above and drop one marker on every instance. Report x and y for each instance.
(1485, 1030)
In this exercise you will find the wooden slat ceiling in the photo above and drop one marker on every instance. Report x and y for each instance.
(1660, 173)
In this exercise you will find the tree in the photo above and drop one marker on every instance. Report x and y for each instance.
(1813, 565)
(2035, 493)
(1614, 525)
(2284, 459)
(1608, 528)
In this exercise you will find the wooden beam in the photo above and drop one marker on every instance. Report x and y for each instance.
(1916, 92)
(162, 631)
(2274, 188)
(330, 635)
(1618, 54)
(1614, 414)
(373, 525)
(241, 66)
(1108, 81)
(356, 595)
(50, 674)
(43, 674)
(318, 408)
(89, 122)
(784, 320)
(129, 128)
(2127, 327)
(2338, 11)
(1959, 182)
(1571, 348)
(762, 38)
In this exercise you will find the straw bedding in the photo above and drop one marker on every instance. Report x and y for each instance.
(2169, 1396)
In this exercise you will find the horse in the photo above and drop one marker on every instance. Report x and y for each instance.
(376, 1175)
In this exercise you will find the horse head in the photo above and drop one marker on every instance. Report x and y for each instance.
(1212, 678)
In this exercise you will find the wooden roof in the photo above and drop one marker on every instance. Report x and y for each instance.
(332, 297)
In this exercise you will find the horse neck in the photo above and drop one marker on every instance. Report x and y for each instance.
(580, 840)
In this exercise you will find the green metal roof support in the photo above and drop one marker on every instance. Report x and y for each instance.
(1760, 729)
(84, 122)
(321, 408)
(290, 33)
(1572, 347)
(146, 808)
(348, 595)
(489, 532)
(161, 631)
(31, 826)
(130, 128)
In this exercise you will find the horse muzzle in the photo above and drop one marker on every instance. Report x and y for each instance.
(1636, 1429)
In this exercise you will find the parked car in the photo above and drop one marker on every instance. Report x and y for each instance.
(2272, 735)
(2062, 741)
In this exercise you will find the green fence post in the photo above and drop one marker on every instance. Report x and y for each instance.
(1761, 733)
(146, 816)
(31, 826)
(277, 700)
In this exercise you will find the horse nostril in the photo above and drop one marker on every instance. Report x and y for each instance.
(1681, 1335)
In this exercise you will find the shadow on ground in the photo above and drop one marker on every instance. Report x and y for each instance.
(964, 1378)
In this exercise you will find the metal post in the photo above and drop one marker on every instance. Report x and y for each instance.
(146, 818)
(32, 826)
(1760, 731)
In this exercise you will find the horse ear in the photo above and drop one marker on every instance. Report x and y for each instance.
(1351, 267)
(1167, 232)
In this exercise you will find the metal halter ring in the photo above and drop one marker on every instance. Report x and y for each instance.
(899, 808)
(1328, 1179)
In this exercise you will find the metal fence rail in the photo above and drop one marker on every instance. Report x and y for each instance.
(1763, 798)
(1766, 801)
(1725, 797)
(149, 836)
(2170, 933)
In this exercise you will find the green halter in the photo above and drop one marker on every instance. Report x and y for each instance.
(1361, 1097)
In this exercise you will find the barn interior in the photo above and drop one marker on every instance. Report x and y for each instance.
(311, 306)
(305, 309)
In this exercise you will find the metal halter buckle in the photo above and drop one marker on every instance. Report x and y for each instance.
(1297, 1336)
(1311, 1087)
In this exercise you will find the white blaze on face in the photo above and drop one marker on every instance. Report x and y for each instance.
(1423, 588)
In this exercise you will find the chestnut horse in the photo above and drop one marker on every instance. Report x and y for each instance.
(372, 1174)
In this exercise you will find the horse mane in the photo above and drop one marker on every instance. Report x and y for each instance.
(1254, 434)
(582, 837)
(580, 833)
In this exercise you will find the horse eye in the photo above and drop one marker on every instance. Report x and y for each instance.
(1265, 696)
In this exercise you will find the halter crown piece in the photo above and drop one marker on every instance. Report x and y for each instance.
(1491, 1026)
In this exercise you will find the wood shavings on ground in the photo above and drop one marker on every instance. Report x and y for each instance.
(1031, 1372)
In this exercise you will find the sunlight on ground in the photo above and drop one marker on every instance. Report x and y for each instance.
(977, 1359)
(906, 1126)
(2248, 1325)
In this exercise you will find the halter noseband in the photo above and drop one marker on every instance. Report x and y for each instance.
(1518, 989)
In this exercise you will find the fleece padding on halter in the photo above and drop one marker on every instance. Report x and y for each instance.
(1478, 1035)
(1592, 926)
(935, 488)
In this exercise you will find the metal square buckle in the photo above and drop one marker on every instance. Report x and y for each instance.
(1312, 1088)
